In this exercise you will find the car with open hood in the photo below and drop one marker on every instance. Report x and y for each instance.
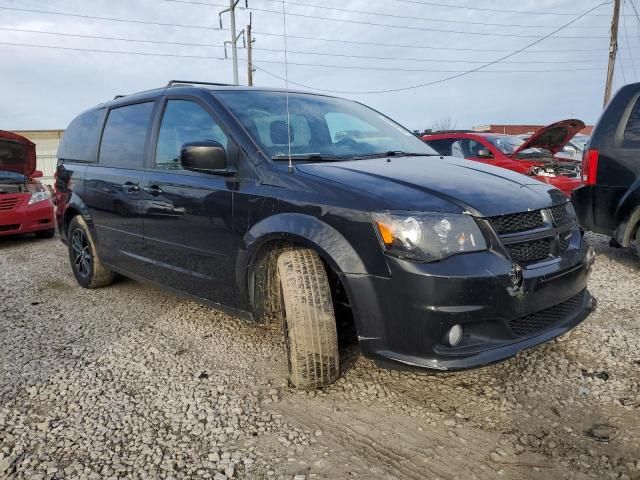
(538, 156)
(25, 204)
(325, 216)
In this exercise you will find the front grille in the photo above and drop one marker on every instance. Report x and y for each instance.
(537, 236)
(530, 252)
(517, 222)
(6, 228)
(536, 322)
(560, 215)
(9, 203)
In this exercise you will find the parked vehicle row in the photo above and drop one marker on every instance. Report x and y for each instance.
(317, 211)
(25, 204)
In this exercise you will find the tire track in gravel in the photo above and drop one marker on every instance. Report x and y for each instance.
(390, 446)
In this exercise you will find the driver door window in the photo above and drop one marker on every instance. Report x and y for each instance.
(183, 122)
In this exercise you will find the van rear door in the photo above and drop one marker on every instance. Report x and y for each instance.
(112, 191)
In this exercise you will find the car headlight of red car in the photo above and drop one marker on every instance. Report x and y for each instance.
(39, 195)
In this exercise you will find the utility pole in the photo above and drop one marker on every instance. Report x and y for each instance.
(613, 50)
(250, 42)
(234, 38)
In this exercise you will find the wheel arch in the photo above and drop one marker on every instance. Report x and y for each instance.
(629, 211)
(291, 229)
(74, 207)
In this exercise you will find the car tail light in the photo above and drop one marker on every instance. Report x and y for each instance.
(590, 166)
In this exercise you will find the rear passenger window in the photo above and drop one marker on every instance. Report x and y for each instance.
(184, 122)
(125, 134)
(631, 136)
(80, 139)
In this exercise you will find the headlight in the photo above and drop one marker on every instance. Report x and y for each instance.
(427, 236)
(40, 196)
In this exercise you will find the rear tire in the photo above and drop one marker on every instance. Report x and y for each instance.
(309, 320)
(46, 233)
(85, 263)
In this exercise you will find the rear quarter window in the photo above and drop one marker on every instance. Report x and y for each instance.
(631, 132)
(80, 140)
(125, 135)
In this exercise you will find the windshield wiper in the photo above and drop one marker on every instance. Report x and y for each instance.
(396, 153)
(314, 157)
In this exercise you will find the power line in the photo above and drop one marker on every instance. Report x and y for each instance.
(111, 19)
(276, 50)
(420, 70)
(388, 25)
(482, 9)
(315, 17)
(300, 37)
(315, 65)
(103, 37)
(451, 77)
(380, 14)
(123, 52)
(627, 44)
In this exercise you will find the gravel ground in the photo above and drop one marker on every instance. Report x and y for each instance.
(129, 382)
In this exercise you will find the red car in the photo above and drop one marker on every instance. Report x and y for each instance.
(534, 157)
(25, 204)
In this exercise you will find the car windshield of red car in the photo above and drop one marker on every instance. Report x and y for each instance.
(508, 144)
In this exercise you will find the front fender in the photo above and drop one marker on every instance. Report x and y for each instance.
(302, 229)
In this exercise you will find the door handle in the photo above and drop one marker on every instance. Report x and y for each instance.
(153, 190)
(131, 187)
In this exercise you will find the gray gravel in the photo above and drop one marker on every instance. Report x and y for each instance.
(129, 382)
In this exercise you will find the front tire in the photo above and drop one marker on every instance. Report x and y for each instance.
(85, 263)
(309, 320)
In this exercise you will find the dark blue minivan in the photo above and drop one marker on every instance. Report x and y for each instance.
(308, 210)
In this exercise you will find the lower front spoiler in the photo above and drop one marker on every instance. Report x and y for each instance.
(497, 353)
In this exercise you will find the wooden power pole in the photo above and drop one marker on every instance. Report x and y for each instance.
(250, 69)
(613, 50)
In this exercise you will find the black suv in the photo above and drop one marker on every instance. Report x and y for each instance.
(609, 203)
(310, 209)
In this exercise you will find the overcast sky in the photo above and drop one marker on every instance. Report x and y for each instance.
(45, 88)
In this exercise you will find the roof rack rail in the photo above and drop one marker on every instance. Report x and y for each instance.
(190, 82)
(118, 96)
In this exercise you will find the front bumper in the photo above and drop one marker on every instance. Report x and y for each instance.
(25, 218)
(402, 321)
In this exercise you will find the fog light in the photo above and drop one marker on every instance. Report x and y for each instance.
(454, 336)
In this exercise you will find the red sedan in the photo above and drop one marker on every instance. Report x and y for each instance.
(534, 157)
(25, 204)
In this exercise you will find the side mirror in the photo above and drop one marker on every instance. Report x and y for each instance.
(206, 156)
(37, 174)
(484, 153)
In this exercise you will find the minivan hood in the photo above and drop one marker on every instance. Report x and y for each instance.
(552, 137)
(17, 154)
(442, 184)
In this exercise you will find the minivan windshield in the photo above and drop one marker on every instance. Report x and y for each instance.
(320, 128)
